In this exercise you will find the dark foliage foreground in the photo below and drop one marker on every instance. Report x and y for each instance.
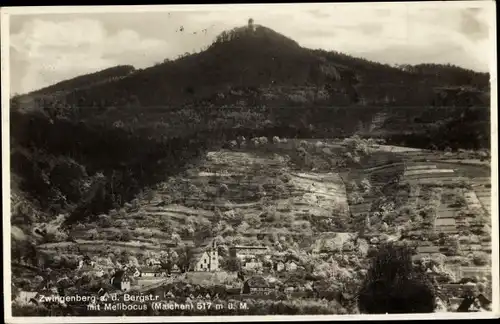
(393, 285)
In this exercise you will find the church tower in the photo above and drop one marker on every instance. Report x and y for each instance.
(214, 256)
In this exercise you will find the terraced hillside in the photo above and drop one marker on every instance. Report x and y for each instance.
(253, 194)
(245, 196)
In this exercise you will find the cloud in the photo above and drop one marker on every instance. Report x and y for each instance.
(51, 48)
(473, 25)
(370, 30)
(49, 52)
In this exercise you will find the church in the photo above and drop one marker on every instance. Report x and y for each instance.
(207, 258)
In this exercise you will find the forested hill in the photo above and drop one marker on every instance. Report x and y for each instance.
(56, 93)
(280, 72)
(70, 159)
(87, 80)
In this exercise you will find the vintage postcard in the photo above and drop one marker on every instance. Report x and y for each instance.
(250, 162)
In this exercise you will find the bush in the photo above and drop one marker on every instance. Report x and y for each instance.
(231, 264)
(480, 259)
(458, 201)
(356, 198)
(223, 189)
(393, 285)
(252, 219)
(93, 234)
(122, 212)
(125, 236)
(366, 185)
(353, 186)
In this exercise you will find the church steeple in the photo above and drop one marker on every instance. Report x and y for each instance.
(213, 254)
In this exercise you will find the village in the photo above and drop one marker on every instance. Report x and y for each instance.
(257, 272)
(122, 278)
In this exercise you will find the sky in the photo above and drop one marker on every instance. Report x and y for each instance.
(46, 48)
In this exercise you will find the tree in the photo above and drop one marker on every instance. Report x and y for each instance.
(231, 264)
(252, 219)
(394, 285)
(454, 246)
(243, 228)
(176, 238)
(353, 186)
(93, 234)
(480, 259)
(125, 235)
(124, 257)
(167, 265)
(189, 230)
(223, 189)
(150, 195)
(185, 256)
(132, 261)
(356, 198)
(366, 185)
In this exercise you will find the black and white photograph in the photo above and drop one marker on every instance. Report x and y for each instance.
(297, 160)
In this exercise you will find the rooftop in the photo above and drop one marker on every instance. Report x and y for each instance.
(148, 269)
(250, 247)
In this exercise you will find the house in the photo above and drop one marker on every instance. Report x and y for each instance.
(279, 266)
(242, 252)
(102, 292)
(121, 281)
(483, 301)
(471, 272)
(206, 258)
(87, 267)
(99, 272)
(284, 263)
(454, 302)
(137, 273)
(168, 245)
(148, 271)
(257, 285)
(253, 264)
(291, 266)
(151, 262)
(26, 296)
(469, 303)
(45, 296)
(428, 249)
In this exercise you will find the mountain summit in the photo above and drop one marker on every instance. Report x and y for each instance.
(251, 35)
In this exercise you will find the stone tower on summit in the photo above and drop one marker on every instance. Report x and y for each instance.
(251, 26)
